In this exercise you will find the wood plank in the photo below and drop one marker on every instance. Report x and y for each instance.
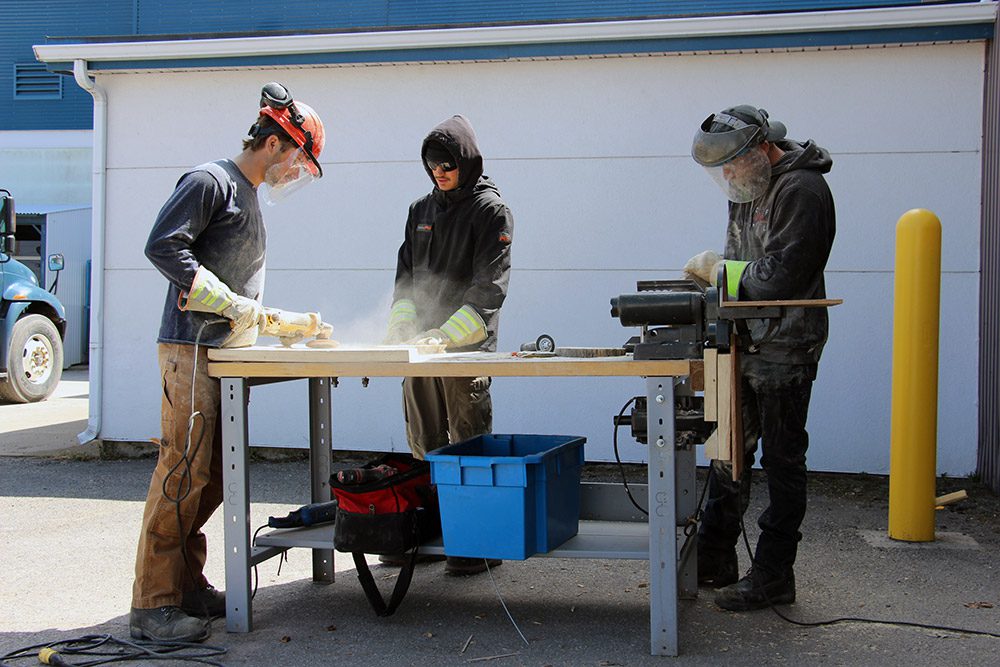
(791, 303)
(949, 498)
(711, 384)
(314, 354)
(697, 375)
(457, 365)
(712, 446)
(724, 394)
(736, 407)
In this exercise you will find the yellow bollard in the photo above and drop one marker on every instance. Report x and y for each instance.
(913, 447)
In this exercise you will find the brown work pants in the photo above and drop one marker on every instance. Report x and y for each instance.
(187, 483)
(440, 411)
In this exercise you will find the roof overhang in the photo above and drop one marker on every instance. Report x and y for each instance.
(233, 49)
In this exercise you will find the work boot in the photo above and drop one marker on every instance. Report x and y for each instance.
(399, 560)
(459, 566)
(204, 602)
(758, 589)
(717, 567)
(167, 624)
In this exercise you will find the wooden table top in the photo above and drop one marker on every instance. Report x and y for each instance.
(399, 361)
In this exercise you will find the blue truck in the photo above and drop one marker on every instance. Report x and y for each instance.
(32, 321)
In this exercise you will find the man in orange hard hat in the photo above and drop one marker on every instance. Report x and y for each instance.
(208, 241)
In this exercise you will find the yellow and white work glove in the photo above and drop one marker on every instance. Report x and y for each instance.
(209, 294)
(464, 327)
(402, 322)
(703, 268)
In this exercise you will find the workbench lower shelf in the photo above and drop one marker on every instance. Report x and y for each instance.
(622, 540)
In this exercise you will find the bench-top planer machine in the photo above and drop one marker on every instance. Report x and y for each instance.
(681, 320)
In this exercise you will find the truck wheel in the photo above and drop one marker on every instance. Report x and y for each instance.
(34, 360)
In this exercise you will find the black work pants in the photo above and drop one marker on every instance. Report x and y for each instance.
(775, 414)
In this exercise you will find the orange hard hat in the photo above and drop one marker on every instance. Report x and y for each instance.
(299, 120)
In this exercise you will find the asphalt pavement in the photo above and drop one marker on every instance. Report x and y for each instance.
(70, 526)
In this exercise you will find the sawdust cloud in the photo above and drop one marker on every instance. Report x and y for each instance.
(365, 330)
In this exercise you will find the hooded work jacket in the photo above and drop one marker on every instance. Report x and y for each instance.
(456, 250)
(786, 235)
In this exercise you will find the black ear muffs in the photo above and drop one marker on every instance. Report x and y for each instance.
(275, 96)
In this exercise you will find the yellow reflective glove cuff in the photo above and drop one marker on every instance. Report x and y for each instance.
(208, 293)
(465, 327)
(734, 271)
(402, 311)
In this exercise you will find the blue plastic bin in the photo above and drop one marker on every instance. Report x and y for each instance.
(508, 496)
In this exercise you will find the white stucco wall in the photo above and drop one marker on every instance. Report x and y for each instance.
(592, 157)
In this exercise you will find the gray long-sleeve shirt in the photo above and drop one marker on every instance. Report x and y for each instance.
(213, 219)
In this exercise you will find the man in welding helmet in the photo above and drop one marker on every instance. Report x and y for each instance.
(452, 273)
(208, 241)
(781, 228)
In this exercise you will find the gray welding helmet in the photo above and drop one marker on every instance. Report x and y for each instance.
(728, 146)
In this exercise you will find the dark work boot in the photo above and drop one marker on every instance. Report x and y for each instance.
(758, 589)
(717, 568)
(460, 566)
(167, 624)
(204, 602)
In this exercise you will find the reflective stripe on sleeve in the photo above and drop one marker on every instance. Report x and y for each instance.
(402, 311)
(465, 326)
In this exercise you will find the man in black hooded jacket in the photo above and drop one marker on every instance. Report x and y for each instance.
(781, 229)
(451, 280)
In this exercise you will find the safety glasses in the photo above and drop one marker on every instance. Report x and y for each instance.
(446, 166)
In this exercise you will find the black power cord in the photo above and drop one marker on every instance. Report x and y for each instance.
(281, 560)
(746, 542)
(104, 649)
(618, 458)
(851, 619)
(184, 465)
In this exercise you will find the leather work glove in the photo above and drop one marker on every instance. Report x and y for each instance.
(703, 268)
(402, 322)
(399, 333)
(244, 313)
(208, 294)
(430, 337)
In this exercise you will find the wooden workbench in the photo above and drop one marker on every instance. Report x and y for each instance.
(670, 487)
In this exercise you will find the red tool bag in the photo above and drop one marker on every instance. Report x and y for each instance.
(387, 507)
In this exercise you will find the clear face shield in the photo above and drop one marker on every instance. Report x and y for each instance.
(288, 176)
(745, 177)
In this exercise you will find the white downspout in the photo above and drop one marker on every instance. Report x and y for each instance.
(96, 362)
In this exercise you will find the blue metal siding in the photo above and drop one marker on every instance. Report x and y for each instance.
(155, 17)
(25, 24)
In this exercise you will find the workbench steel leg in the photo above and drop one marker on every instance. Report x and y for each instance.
(320, 465)
(687, 505)
(236, 504)
(662, 517)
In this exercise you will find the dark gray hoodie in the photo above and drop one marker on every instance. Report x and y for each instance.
(786, 235)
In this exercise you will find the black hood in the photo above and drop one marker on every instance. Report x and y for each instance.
(799, 155)
(459, 139)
